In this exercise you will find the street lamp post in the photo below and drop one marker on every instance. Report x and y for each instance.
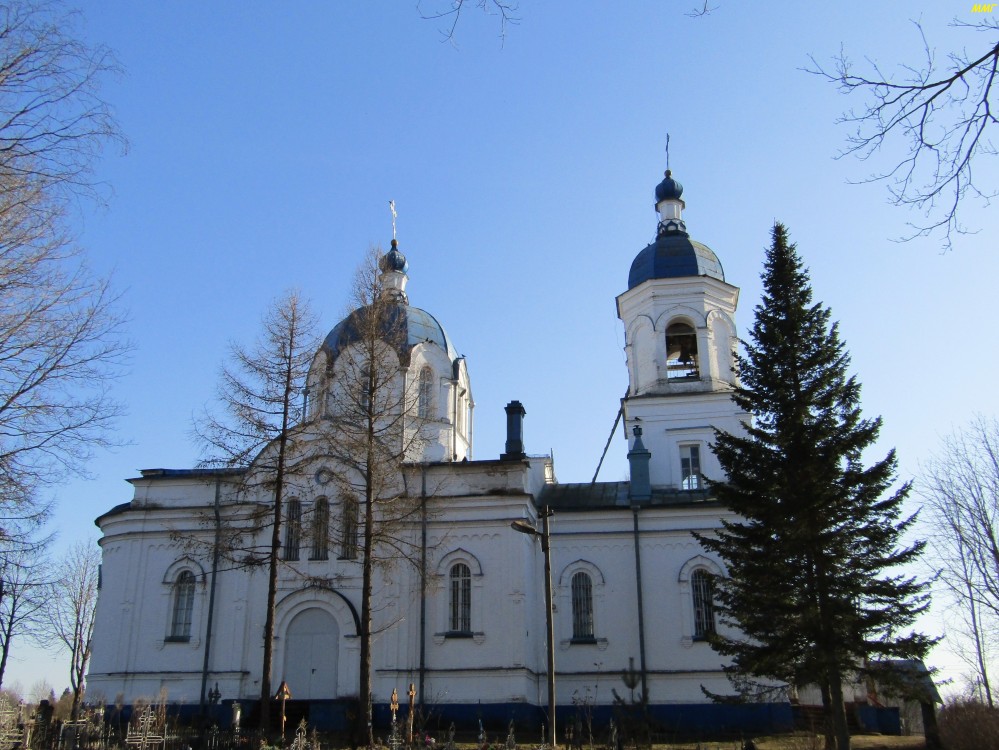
(545, 535)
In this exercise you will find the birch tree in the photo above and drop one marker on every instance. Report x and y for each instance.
(70, 611)
(23, 589)
(959, 485)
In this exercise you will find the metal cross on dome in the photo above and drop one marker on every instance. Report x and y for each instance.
(394, 217)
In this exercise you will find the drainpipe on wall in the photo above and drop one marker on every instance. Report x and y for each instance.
(423, 579)
(454, 420)
(211, 594)
(641, 608)
(639, 491)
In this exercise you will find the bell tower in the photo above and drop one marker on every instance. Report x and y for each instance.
(680, 339)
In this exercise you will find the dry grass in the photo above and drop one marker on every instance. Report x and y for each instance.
(805, 742)
(778, 742)
(857, 742)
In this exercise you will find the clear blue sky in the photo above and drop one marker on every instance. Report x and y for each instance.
(267, 138)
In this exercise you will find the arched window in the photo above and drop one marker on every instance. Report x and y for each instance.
(582, 606)
(681, 351)
(321, 530)
(425, 405)
(703, 592)
(183, 606)
(348, 529)
(461, 598)
(292, 529)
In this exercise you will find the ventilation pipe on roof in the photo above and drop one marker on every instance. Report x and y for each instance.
(514, 432)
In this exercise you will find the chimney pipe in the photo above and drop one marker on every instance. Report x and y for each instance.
(514, 432)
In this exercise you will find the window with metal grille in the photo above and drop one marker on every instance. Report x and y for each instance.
(690, 467)
(426, 395)
(461, 599)
(183, 606)
(702, 590)
(292, 529)
(321, 530)
(348, 530)
(582, 606)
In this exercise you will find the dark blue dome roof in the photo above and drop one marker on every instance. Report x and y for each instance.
(674, 255)
(403, 328)
(394, 260)
(668, 188)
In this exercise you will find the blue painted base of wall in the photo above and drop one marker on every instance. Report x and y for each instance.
(689, 720)
(723, 719)
(696, 720)
(881, 720)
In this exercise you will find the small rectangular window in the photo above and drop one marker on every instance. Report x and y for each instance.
(690, 467)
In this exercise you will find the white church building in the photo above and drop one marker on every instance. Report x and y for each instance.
(631, 586)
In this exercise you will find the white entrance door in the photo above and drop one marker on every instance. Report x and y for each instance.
(310, 652)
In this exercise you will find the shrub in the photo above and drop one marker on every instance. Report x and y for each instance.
(969, 725)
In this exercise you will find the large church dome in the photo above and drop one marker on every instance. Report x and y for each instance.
(673, 254)
(432, 383)
(404, 327)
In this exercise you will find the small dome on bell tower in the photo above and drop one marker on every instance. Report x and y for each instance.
(673, 254)
(668, 189)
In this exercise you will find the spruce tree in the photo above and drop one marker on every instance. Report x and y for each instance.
(814, 563)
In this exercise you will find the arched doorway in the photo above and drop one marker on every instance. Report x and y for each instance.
(310, 655)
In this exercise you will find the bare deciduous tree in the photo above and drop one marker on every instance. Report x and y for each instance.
(260, 395)
(60, 336)
(505, 10)
(941, 112)
(960, 486)
(705, 9)
(23, 589)
(70, 610)
(53, 119)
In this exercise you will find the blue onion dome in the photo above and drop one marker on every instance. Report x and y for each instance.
(404, 327)
(674, 255)
(668, 189)
(394, 260)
